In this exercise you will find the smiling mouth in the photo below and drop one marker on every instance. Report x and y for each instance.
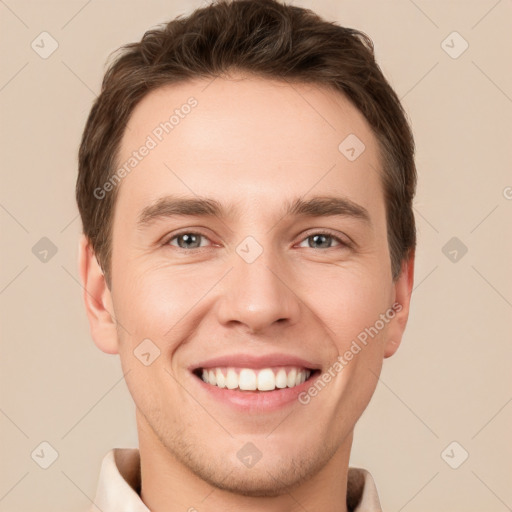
(250, 379)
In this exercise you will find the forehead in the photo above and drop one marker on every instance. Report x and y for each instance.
(247, 136)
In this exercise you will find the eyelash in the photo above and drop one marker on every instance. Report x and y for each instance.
(342, 243)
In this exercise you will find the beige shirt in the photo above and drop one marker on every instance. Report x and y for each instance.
(119, 485)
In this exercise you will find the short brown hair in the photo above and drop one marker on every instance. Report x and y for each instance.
(268, 39)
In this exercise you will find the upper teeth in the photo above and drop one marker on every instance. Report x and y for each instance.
(266, 379)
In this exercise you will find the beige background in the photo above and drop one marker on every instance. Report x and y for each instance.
(451, 378)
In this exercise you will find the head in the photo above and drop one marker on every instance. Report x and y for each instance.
(245, 185)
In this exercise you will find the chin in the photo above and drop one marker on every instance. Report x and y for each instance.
(271, 476)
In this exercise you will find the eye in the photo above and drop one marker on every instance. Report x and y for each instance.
(187, 240)
(323, 241)
(192, 240)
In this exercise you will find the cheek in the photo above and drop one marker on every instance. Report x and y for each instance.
(349, 301)
(151, 300)
(145, 306)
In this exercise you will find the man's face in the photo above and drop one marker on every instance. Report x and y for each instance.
(255, 285)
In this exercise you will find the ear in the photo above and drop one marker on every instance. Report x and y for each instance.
(403, 291)
(97, 298)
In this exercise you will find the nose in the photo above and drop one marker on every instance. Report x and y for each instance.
(258, 295)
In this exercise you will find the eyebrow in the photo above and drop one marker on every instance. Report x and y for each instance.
(318, 206)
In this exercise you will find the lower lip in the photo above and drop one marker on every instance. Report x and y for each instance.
(257, 401)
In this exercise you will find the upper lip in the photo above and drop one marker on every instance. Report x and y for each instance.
(256, 362)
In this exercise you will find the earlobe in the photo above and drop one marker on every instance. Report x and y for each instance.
(97, 299)
(403, 291)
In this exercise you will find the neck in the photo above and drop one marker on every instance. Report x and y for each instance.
(169, 485)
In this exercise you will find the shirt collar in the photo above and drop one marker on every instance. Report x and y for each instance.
(119, 485)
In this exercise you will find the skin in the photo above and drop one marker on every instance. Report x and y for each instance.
(250, 144)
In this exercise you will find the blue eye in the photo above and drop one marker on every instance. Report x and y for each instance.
(192, 240)
(187, 240)
(323, 241)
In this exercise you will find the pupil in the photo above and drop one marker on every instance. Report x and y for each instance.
(189, 240)
(321, 239)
